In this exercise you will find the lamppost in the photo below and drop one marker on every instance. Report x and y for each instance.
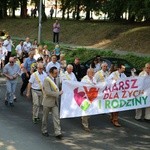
(40, 22)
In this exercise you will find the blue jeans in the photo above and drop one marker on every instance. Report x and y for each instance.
(11, 87)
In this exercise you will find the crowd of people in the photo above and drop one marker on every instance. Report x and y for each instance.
(43, 71)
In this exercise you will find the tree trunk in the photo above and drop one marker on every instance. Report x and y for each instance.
(13, 12)
(4, 12)
(68, 13)
(63, 9)
(23, 8)
(78, 11)
(87, 15)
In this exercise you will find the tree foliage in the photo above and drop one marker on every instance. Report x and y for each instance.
(115, 10)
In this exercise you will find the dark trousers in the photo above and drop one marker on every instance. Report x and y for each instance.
(7, 58)
(25, 81)
(55, 37)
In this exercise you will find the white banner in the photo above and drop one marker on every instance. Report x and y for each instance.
(80, 99)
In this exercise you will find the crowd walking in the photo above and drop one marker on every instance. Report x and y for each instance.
(43, 71)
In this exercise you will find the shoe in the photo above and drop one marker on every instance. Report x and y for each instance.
(38, 119)
(15, 99)
(11, 105)
(116, 124)
(6, 102)
(138, 120)
(35, 121)
(147, 120)
(86, 129)
(45, 134)
(59, 136)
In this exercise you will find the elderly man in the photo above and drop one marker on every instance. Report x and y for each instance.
(101, 75)
(27, 46)
(50, 102)
(89, 79)
(114, 76)
(8, 45)
(36, 85)
(145, 72)
(27, 68)
(68, 74)
(11, 72)
(53, 63)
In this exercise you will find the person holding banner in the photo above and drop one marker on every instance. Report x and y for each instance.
(68, 74)
(50, 102)
(138, 112)
(101, 75)
(114, 76)
(36, 85)
(89, 79)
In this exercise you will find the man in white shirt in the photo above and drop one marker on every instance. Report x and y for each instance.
(3, 53)
(114, 76)
(36, 85)
(101, 75)
(27, 46)
(8, 45)
(53, 63)
(19, 51)
(89, 78)
(68, 74)
(138, 116)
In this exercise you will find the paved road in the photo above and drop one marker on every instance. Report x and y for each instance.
(17, 132)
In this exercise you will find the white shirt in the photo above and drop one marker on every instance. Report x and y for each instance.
(34, 82)
(101, 76)
(51, 64)
(68, 76)
(37, 56)
(8, 45)
(19, 50)
(86, 79)
(27, 46)
(3, 52)
(144, 73)
(116, 76)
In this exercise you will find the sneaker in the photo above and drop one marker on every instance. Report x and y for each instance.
(139, 120)
(11, 105)
(38, 119)
(86, 129)
(35, 121)
(15, 99)
(59, 137)
(45, 134)
(6, 102)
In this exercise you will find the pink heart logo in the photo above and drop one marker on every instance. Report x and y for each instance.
(79, 96)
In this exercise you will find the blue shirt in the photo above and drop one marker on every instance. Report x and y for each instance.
(11, 70)
(27, 63)
(57, 51)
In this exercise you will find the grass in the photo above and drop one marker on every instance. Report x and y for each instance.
(103, 35)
